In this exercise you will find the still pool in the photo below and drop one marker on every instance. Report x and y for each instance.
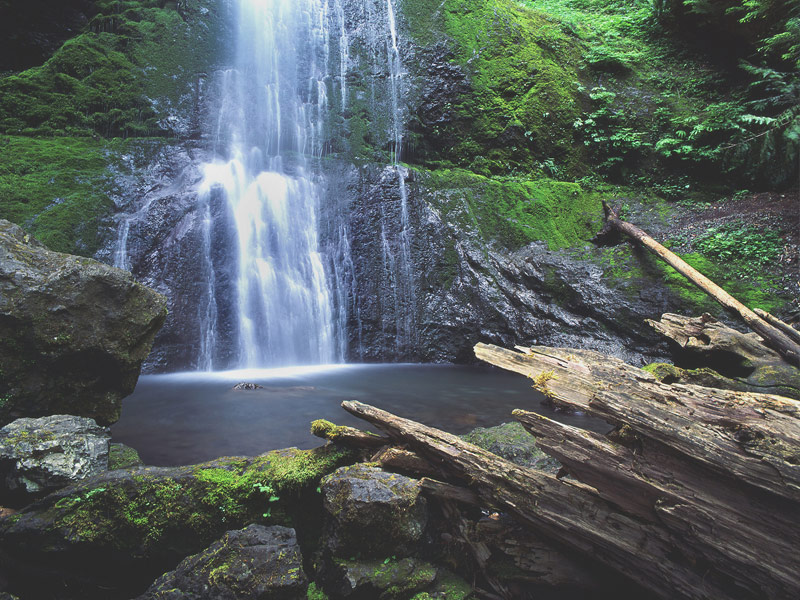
(185, 418)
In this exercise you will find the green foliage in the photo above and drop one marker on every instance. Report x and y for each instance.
(754, 247)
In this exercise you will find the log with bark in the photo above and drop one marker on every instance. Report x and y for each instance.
(776, 337)
(694, 494)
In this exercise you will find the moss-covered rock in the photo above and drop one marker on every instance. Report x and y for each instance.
(516, 110)
(388, 579)
(73, 332)
(122, 529)
(133, 70)
(121, 456)
(514, 443)
(372, 513)
(254, 563)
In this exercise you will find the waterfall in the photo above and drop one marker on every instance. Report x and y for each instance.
(399, 267)
(270, 132)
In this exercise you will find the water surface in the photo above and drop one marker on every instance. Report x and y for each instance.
(187, 418)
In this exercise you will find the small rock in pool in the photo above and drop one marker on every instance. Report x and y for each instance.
(244, 385)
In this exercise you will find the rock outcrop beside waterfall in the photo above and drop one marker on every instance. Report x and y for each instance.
(73, 332)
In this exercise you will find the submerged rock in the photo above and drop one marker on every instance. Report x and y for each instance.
(38, 456)
(73, 331)
(254, 563)
(512, 442)
(244, 385)
(372, 513)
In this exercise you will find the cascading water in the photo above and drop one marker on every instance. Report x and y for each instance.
(399, 266)
(265, 253)
(269, 129)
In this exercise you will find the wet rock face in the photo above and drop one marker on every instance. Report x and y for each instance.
(73, 331)
(372, 513)
(38, 456)
(254, 563)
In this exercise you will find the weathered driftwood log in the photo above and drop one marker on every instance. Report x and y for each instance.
(741, 356)
(717, 470)
(776, 338)
(565, 511)
(664, 521)
(750, 437)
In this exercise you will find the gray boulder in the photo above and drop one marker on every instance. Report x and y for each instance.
(38, 456)
(372, 513)
(254, 563)
(73, 331)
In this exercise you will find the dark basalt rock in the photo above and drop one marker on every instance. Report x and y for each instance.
(254, 563)
(73, 331)
(372, 513)
(38, 456)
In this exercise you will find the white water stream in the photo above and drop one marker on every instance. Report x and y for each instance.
(270, 131)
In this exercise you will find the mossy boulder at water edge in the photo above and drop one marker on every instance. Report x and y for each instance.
(512, 442)
(112, 535)
(73, 331)
(372, 513)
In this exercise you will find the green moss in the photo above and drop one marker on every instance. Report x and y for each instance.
(105, 79)
(516, 211)
(524, 97)
(143, 513)
(315, 593)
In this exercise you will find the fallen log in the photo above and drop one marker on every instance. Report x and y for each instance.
(690, 535)
(566, 512)
(750, 437)
(773, 336)
(718, 470)
(776, 322)
(347, 436)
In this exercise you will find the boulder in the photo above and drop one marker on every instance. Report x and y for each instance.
(512, 442)
(111, 535)
(38, 456)
(388, 579)
(254, 563)
(372, 513)
(73, 331)
(121, 456)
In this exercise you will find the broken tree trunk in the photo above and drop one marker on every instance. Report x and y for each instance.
(776, 338)
(740, 356)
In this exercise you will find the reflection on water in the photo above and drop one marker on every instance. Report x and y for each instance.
(187, 418)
